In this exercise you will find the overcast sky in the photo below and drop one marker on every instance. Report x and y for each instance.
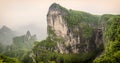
(20, 13)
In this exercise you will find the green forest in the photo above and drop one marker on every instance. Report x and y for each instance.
(79, 23)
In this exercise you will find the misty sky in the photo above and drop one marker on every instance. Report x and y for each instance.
(31, 14)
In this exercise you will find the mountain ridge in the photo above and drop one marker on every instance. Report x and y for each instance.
(6, 35)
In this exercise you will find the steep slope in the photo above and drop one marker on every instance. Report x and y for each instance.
(78, 29)
(111, 40)
(6, 35)
(76, 36)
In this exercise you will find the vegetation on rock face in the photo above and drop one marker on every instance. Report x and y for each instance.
(112, 45)
(50, 31)
(48, 43)
(56, 7)
(80, 23)
(87, 23)
(44, 52)
(75, 17)
(112, 30)
(87, 31)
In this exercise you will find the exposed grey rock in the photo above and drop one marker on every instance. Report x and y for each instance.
(74, 41)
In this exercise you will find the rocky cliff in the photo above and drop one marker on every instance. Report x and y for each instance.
(79, 37)
(80, 31)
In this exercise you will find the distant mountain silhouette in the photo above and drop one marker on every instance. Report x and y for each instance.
(24, 42)
(6, 35)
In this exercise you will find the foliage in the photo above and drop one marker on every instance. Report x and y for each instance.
(112, 36)
(111, 54)
(50, 31)
(22, 42)
(26, 58)
(75, 17)
(5, 59)
(44, 50)
(87, 31)
(47, 43)
(47, 56)
(112, 30)
(44, 53)
(22, 55)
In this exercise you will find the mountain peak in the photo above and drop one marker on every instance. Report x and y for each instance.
(55, 6)
(6, 35)
(5, 28)
(28, 33)
(57, 9)
(54, 3)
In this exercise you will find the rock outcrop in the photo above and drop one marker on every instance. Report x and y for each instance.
(78, 37)
(82, 36)
(25, 41)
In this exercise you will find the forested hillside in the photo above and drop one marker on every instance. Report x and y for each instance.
(73, 37)
(79, 37)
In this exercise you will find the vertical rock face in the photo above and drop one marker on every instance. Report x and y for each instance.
(56, 22)
(80, 38)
